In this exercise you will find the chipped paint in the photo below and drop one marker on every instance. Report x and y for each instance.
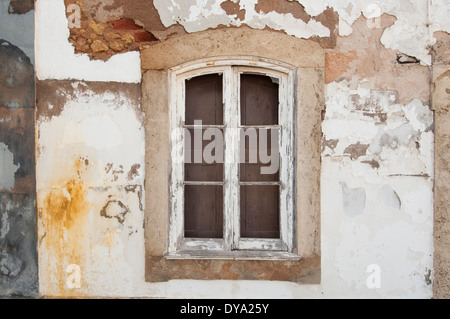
(7, 168)
(18, 253)
(57, 59)
(377, 151)
(18, 29)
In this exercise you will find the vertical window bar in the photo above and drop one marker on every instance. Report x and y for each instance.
(287, 171)
(177, 165)
(231, 136)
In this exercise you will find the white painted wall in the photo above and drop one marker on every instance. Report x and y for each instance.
(381, 217)
(55, 55)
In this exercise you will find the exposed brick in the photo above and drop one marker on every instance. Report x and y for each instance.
(126, 24)
(144, 36)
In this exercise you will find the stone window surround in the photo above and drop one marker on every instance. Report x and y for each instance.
(230, 68)
(308, 58)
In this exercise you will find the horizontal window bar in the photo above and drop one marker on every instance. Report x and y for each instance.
(204, 183)
(260, 183)
(193, 127)
(274, 127)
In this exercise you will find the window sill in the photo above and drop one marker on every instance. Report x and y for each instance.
(233, 255)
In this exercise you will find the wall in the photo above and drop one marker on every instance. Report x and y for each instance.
(441, 103)
(18, 227)
(377, 171)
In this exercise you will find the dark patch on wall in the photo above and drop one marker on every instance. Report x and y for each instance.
(115, 209)
(329, 18)
(18, 246)
(406, 59)
(305, 271)
(356, 150)
(17, 132)
(16, 77)
(295, 8)
(372, 163)
(232, 8)
(329, 143)
(133, 171)
(20, 6)
(52, 95)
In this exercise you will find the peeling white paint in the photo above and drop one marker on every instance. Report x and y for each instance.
(198, 15)
(389, 197)
(411, 34)
(102, 128)
(370, 215)
(354, 200)
(56, 59)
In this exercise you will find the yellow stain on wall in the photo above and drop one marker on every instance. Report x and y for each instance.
(65, 213)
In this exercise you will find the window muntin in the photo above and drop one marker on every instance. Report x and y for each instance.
(242, 228)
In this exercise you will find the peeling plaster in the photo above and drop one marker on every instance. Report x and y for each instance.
(56, 58)
(354, 200)
(90, 187)
(7, 168)
(196, 16)
(377, 203)
(411, 33)
(101, 126)
(390, 198)
(18, 29)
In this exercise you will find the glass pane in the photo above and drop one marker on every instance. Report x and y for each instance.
(262, 156)
(259, 100)
(204, 100)
(260, 211)
(203, 155)
(203, 211)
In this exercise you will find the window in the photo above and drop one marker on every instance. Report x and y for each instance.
(232, 159)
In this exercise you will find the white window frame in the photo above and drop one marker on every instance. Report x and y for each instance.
(231, 246)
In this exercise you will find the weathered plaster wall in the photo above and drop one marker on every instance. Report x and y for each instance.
(377, 155)
(90, 191)
(441, 106)
(18, 235)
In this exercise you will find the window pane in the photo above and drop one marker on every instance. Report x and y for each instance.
(260, 212)
(262, 156)
(204, 100)
(259, 100)
(203, 155)
(203, 211)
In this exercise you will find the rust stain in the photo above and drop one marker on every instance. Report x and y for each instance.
(65, 216)
(65, 204)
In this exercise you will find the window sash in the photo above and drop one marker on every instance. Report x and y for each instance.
(231, 71)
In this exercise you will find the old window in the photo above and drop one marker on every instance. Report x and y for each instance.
(232, 160)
